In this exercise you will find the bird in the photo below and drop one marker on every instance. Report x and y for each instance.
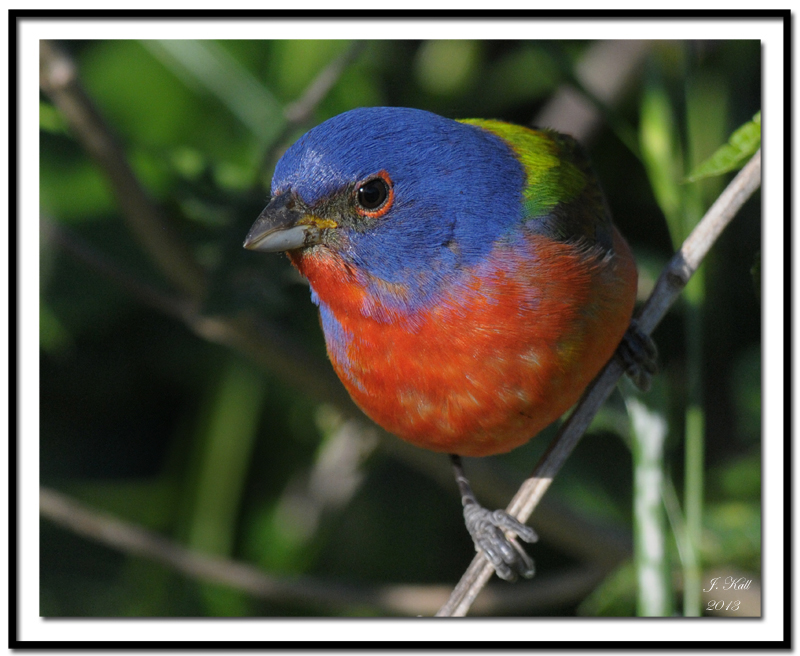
(469, 279)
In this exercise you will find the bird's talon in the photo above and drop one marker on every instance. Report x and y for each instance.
(495, 534)
(638, 354)
(509, 523)
(529, 568)
(504, 572)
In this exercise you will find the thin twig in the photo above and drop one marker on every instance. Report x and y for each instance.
(265, 344)
(129, 538)
(58, 78)
(670, 283)
(137, 541)
(300, 111)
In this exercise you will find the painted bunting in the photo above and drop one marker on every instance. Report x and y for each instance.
(469, 279)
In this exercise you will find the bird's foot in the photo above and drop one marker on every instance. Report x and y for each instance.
(495, 533)
(638, 354)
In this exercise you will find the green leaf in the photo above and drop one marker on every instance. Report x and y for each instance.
(742, 144)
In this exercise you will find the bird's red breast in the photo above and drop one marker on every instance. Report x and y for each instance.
(496, 357)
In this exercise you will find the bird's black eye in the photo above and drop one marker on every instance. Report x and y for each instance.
(372, 194)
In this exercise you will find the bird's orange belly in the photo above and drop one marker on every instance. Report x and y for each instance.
(489, 366)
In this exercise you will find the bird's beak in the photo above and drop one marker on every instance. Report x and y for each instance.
(282, 226)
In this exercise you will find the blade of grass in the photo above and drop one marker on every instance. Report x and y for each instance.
(706, 113)
(206, 64)
(227, 445)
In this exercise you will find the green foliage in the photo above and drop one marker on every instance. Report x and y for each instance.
(155, 410)
(661, 152)
(741, 146)
(614, 597)
(445, 68)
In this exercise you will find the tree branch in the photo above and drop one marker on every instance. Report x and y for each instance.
(669, 285)
(300, 111)
(58, 78)
(414, 600)
(137, 541)
(265, 344)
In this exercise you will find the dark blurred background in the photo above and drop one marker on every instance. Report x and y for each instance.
(187, 404)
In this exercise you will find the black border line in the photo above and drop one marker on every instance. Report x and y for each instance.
(14, 16)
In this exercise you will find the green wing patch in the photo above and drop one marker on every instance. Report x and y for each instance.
(552, 176)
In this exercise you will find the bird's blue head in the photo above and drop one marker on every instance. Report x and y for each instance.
(403, 195)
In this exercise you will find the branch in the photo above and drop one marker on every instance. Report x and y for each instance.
(137, 541)
(669, 285)
(59, 80)
(300, 111)
(263, 343)
(413, 600)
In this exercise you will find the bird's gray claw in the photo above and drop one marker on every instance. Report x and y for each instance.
(495, 533)
(638, 353)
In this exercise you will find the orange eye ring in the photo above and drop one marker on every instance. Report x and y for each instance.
(374, 196)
